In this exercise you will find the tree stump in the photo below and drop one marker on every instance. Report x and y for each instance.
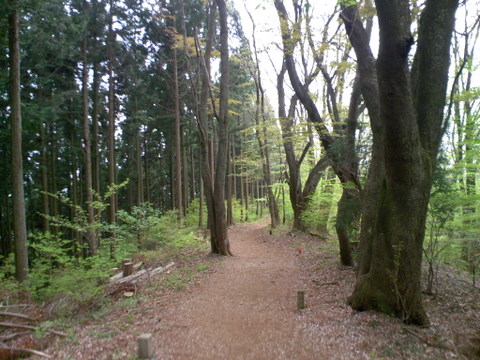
(127, 269)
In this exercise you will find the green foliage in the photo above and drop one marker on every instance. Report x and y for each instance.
(319, 215)
(453, 227)
(141, 226)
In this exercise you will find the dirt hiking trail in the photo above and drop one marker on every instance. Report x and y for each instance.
(244, 307)
(246, 310)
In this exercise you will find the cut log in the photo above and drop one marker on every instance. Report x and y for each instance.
(29, 327)
(119, 275)
(148, 272)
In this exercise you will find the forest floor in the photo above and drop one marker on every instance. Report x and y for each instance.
(245, 307)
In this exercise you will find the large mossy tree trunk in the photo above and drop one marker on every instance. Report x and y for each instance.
(407, 135)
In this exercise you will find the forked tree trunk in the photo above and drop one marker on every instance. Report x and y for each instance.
(406, 141)
(214, 179)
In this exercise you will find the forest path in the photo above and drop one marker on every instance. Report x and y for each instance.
(246, 310)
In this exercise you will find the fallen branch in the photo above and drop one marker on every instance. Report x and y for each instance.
(16, 315)
(119, 275)
(150, 272)
(29, 327)
(7, 353)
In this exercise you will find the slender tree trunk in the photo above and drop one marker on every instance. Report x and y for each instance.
(91, 235)
(19, 218)
(219, 239)
(229, 185)
(45, 189)
(262, 137)
(185, 174)
(146, 166)
(178, 146)
(95, 133)
(138, 161)
(112, 201)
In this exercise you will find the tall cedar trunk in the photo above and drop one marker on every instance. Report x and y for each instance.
(95, 120)
(219, 236)
(205, 154)
(52, 176)
(44, 167)
(112, 209)
(185, 174)
(178, 146)
(146, 167)
(95, 132)
(138, 162)
(90, 233)
(406, 140)
(19, 218)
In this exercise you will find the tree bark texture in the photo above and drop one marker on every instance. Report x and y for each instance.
(214, 179)
(407, 134)
(112, 210)
(220, 242)
(19, 218)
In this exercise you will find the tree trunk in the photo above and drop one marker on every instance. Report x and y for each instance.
(45, 189)
(19, 219)
(411, 112)
(178, 146)
(335, 145)
(112, 210)
(90, 233)
(138, 162)
(229, 184)
(261, 134)
(219, 235)
(185, 174)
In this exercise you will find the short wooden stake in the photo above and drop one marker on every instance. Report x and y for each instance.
(145, 349)
(300, 300)
(127, 269)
